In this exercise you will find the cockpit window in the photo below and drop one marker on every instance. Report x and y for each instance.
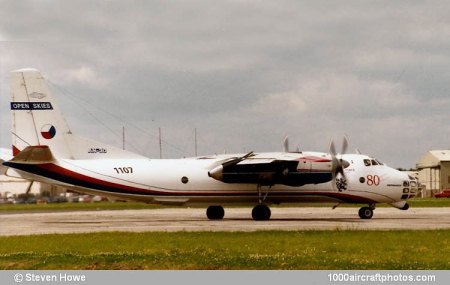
(369, 162)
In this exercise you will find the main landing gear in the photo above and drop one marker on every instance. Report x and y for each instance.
(366, 212)
(260, 212)
(215, 212)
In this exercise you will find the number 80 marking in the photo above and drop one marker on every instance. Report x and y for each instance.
(373, 180)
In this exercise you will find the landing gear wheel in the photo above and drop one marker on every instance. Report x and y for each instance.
(261, 212)
(365, 213)
(215, 212)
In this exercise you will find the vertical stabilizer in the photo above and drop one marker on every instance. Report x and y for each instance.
(36, 119)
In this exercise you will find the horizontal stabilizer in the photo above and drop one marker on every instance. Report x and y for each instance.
(33, 155)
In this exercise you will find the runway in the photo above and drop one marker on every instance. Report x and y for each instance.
(236, 219)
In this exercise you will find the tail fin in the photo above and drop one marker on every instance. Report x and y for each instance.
(37, 120)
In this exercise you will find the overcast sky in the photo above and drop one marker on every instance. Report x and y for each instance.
(244, 73)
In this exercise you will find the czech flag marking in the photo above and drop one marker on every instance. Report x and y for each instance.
(48, 131)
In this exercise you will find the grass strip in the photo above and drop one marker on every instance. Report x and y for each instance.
(360, 250)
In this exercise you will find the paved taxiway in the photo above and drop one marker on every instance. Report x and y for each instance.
(236, 219)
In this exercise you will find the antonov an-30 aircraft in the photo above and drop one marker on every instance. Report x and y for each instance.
(46, 150)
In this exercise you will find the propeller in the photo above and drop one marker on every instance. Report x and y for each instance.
(338, 164)
(286, 144)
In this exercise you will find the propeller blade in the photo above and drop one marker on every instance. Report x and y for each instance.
(332, 148)
(344, 144)
(286, 144)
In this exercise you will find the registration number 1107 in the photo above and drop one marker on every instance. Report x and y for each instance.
(123, 170)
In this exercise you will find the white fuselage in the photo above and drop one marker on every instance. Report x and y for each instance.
(186, 181)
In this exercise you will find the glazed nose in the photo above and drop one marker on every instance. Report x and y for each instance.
(411, 188)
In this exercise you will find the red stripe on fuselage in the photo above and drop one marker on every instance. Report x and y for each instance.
(84, 178)
(124, 189)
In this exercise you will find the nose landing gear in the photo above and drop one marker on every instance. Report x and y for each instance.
(405, 207)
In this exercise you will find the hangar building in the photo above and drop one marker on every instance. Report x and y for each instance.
(434, 171)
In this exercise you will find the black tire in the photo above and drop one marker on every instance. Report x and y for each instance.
(215, 212)
(365, 213)
(261, 213)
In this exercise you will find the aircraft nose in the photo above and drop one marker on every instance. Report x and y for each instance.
(411, 187)
(408, 187)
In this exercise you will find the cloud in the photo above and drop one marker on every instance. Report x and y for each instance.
(245, 73)
(280, 103)
(346, 95)
(81, 75)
